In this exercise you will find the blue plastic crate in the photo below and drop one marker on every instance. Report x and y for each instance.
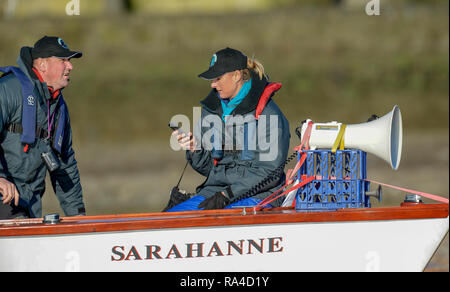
(340, 180)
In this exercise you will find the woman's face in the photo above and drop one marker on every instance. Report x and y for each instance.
(228, 85)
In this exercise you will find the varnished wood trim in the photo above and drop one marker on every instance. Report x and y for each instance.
(148, 221)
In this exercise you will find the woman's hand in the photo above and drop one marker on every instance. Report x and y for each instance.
(187, 142)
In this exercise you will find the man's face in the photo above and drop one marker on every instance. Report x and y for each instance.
(57, 72)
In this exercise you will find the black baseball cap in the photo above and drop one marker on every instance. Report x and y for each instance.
(224, 61)
(50, 46)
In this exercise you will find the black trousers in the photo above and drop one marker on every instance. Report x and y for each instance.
(11, 211)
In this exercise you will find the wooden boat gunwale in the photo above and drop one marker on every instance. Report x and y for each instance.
(191, 219)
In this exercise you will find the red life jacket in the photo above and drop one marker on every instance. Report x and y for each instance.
(270, 89)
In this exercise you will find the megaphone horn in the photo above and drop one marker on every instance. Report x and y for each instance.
(381, 137)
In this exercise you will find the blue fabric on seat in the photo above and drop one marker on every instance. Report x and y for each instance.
(189, 205)
(192, 204)
(252, 201)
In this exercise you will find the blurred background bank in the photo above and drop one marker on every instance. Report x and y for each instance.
(338, 60)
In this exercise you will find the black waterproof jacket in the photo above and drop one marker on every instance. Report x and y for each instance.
(248, 165)
(27, 169)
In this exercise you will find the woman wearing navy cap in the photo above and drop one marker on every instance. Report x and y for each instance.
(242, 138)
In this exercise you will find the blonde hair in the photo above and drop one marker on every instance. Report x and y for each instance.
(255, 66)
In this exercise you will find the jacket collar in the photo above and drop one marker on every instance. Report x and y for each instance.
(212, 101)
(25, 63)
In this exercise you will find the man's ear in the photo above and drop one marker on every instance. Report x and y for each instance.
(40, 64)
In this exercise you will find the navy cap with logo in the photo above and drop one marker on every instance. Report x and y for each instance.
(224, 61)
(50, 46)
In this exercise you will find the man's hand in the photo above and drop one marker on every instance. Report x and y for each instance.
(9, 192)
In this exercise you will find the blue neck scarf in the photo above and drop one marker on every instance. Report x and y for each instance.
(229, 105)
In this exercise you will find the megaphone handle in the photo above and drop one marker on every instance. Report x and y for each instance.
(339, 142)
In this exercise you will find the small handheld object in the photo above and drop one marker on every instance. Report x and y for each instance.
(175, 128)
(51, 161)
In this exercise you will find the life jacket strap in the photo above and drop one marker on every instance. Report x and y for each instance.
(18, 129)
(28, 106)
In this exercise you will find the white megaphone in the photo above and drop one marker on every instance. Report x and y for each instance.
(381, 137)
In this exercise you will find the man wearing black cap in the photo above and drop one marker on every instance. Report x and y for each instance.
(35, 132)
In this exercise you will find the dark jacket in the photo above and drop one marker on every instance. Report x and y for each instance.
(243, 167)
(27, 169)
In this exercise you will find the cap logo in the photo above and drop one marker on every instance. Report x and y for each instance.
(213, 60)
(62, 43)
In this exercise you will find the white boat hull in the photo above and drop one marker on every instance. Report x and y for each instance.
(386, 245)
